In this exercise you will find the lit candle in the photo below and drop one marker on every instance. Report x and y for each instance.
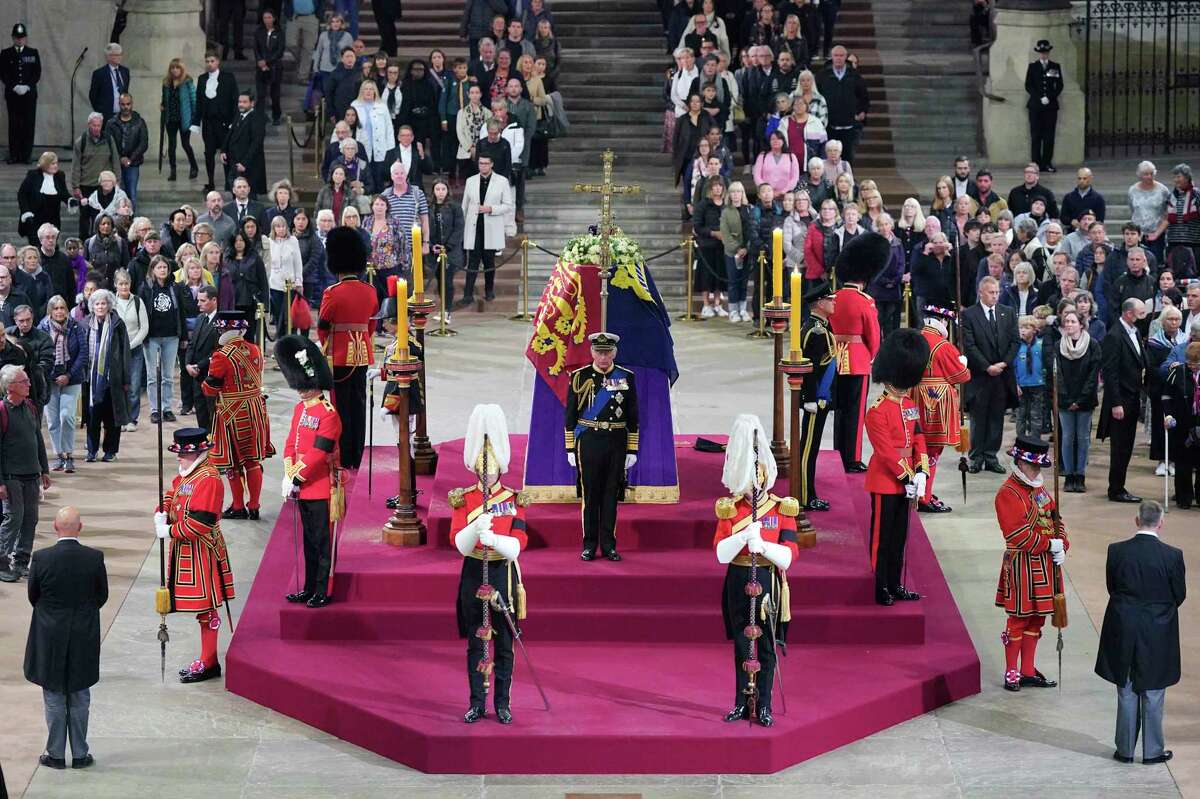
(418, 265)
(795, 320)
(402, 319)
(777, 263)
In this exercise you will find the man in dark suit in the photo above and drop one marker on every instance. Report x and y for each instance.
(216, 107)
(20, 71)
(199, 352)
(845, 93)
(990, 342)
(243, 151)
(242, 206)
(1043, 84)
(1139, 642)
(268, 57)
(109, 82)
(67, 587)
(1123, 369)
(411, 154)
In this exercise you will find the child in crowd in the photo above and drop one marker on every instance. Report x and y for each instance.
(1031, 378)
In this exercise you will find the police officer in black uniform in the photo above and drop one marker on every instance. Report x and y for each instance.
(20, 71)
(601, 424)
(1043, 84)
(816, 341)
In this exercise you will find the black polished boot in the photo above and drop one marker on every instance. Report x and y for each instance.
(474, 714)
(902, 594)
(1038, 680)
(587, 554)
(235, 513)
(764, 716)
(299, 596)
(737, 714)
(503, 715)
(884, 598)
(318, 601)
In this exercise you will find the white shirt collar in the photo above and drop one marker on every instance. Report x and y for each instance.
(74, 538)
(1146, 532)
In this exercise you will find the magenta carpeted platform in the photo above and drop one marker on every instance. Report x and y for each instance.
(632, 654)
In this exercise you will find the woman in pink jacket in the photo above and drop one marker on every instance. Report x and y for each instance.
(777, 167)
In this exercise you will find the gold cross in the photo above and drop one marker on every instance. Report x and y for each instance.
(606, 189)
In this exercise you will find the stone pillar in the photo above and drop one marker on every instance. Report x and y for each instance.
(1019, 24)
(156, 32)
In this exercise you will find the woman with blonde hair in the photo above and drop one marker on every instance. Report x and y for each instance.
(870, 204)
(41, 196)
(284, 264)
(375, 134)
(737, 230)
(845, 193)
(806, 90)
(178, 109)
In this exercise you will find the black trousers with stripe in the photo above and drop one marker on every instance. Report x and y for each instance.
(889, 535)
(318, 555)
(851, 399)
(600, 455)
(811, 429)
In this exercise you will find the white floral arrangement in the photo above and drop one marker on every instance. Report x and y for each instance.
(585, 249)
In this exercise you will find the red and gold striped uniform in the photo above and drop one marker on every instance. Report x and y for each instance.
(1025, 515)
(938, 400)
(241, 429)
(198, 575)
(345, 326)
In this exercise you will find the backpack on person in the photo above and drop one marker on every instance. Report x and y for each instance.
(28, 403)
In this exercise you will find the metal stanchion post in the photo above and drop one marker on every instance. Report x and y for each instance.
(262, 328)
(688, 268)
(288, 285)
(442, 330)
(318, 139)
(524, 315)
(761, 330)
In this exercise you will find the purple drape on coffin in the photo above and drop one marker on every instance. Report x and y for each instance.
(546, 458)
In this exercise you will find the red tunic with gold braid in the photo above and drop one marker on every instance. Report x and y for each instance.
(855, 325)
(198, 575)
(1025, 515)
(777, 515)
(345, 326)
(936, 396)
(241, 429)
(311, 452)
(506, 505)
(893, 425)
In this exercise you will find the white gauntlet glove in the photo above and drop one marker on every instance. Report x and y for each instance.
(919, 480)
(1059, 558)
(162, 528)
(487, 537)
(755, 545)
(286, 487)
(752, 532)
(1056, 545)
(571, 459)
(810, 407)
(373, 373)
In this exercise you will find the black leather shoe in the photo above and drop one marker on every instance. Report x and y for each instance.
(1124, 497)
(503, 715)
(186, 410)
(902, 594)
(83, 762)
(194, 173)
(202, 674)
(587, 554)
(995, 468)
(856, 467)
(1163, 758)
(235, 513)
(614, 556)
(252, 514)
(737, 714)
(1038, 680)
(154, 417)
(1012, 685)
(474, 714)
(52, 762)
(1120, 758)
(764, 716)
(299, 596)
(884, 598)
(975, 468)
(935, 505)
(168, 416)
(318, 601)
(816, 504)
(392, 502)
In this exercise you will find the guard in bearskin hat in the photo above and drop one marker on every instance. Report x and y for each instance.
(311, 473)
(938, 398)
(855, 325)
(488, 529)
(199, 577)
(1035, 543)
(899, 464)
(241, 429)
(347, 331)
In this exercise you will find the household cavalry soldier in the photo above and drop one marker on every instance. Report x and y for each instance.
(817, 394)
(241, 429)
(20, 71)
(198, 574)
(899, 464)
(855, 325)
(488, 527)
(1035, 541)
(311, 474)
(601, 424)
(347, 332)
(768, 531)
(938, 398)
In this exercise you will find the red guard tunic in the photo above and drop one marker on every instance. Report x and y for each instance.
(1026, 586)
(893, 425)
(938, 401)
(345, 326)
(310, 455)
(199, 575)
(855, 325)
(241, 429)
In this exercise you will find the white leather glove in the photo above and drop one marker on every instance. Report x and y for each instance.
(629, 461)
(21, 89)
(27, 215)
(571, 459)
(919, 480)
(962, 359)
(384, 413)
(1056, 545)
(373, 373)
(753, 531)
(161, 528)
(1045, 101)
(810, 407)
(487, 538)
(286, 487)
(755, 545)
(910, 490)
(483, 523)
(1059, 558)
(194, 130)
(1169, 422)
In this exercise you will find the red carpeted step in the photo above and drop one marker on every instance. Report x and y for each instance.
(640, 624)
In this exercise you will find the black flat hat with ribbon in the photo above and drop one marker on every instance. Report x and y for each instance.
(303, 365)
(232, 320)
(189, 439)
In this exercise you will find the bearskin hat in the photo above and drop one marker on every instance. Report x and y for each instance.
(345, 253)
(862, 259)
(902, 359)
(303, 365)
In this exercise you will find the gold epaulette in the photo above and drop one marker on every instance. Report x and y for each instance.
(789, 506)
(456, 497)
(726, 508)
(524, 499)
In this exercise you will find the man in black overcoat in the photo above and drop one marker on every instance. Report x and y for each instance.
(1139, 642)
(990, 343)
(199, 352)
(243, 152)
(67, 587)
(1123, 369)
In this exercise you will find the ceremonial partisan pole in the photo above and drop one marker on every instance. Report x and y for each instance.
(162, 597)
(1059, 619)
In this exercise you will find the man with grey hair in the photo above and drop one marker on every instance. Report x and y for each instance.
(92, 153)
(1148, 204)
(1183, 222)
(1139, 641)
(23, 469)
(109, 82)
(11, 297)
(1123, 365)
(222, 224)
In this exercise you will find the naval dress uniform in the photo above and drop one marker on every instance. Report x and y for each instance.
(817, 343)
(20, 66)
